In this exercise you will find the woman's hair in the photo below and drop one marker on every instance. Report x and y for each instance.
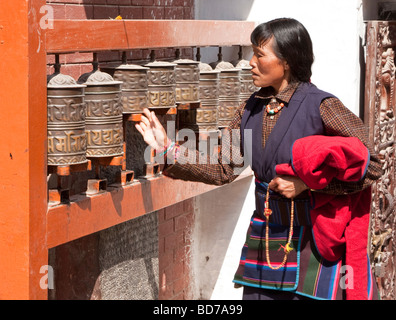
(292, 44)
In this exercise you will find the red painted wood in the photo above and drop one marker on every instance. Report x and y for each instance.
(101, 35)
(23, 196)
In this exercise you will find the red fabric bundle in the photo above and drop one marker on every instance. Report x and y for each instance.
(340, 222)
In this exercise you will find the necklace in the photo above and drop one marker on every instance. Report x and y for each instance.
(274, 110)
(287, 249)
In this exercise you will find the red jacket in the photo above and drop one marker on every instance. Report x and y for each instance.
(340, 222)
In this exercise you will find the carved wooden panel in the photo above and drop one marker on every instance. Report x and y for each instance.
(380, 109)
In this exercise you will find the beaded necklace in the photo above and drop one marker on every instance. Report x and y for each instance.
(274, 110)
(287, 249)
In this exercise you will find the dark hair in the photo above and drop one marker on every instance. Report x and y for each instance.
(292, 44)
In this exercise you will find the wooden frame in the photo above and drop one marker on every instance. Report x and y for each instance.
(28, 228)
(23, 196)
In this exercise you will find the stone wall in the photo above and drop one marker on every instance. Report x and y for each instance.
(146, 258)
(175, 243)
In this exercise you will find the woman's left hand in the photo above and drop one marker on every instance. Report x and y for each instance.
(287, 186)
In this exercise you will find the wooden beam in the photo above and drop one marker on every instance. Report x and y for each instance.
(101, 35)
(88, 214)
(23, 107)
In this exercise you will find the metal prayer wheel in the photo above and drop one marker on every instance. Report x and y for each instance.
(205, 117)
(247, 85)
(229, 92)
(187, 81)
(161, 85)
(134, 95)
(208, 86)
(66, 110)
(104, 114)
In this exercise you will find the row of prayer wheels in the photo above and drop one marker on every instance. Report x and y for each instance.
(85, 117)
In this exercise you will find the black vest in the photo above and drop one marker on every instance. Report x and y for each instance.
(299, 119)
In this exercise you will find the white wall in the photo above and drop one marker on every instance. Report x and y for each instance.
(221, 220)
(335, 26)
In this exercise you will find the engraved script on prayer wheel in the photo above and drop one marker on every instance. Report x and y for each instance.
(161, 85)
(104, 114)
(247, 85)
(205, 117)
(134, 86)
(66, 109)
(187, 81)
(229, 92)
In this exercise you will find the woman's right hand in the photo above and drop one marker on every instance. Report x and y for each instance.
(152, 130)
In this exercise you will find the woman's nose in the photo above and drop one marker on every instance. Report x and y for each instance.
(252, 62)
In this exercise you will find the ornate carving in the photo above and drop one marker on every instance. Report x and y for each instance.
(387, 84)
(381, 110)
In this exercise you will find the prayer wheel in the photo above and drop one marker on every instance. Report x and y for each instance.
(247, 85)
(208, 86)
(66, 110)
(205, 117)
(161, 85)
(104, 122)
(229, 92)
(187, 81)
(134, 95)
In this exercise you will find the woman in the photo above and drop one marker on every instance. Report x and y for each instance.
(313, 167)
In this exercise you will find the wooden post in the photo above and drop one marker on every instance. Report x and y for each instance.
(23, 169)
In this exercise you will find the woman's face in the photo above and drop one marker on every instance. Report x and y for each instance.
(267, 69)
